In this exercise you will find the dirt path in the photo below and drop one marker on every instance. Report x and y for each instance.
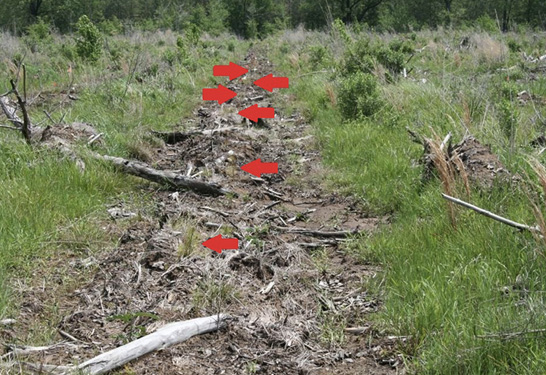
(291, 292)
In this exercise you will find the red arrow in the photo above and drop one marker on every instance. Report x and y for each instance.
(254, 112)
(269, 82)
(218, 243)
(232, 70)
(256, 167)
(222, 94)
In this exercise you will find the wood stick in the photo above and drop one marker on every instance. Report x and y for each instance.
(262, 210)
(176, 180)
(268, 288)
(38, 368)
(212, 225)
(11, 113)
(68, 336)
(49, 117)
(164, 337)
(26, 126)
(94, 138)
(316, 233)
(357, 330)
(333, 242)
(491, 215)
(509, 335)
(444, 142)
(7, 322)
(206, 208)
(19, 351)
(14, 128)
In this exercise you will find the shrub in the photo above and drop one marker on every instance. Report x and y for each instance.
(193, 34)
(111, 27)
(358, 58)
(252, 29)
(339, 30)
(403, 46)
(394, 61)
(231, 46)
(487, 24)
(509, 90)
(68, 51)
(182, 48)
(38, 35)
(508, 118)
(358, 96)
(513, 45)
(170, 57)
(319, 56)
(89, 41)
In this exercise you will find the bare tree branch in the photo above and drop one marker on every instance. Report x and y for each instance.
(26, 126)
(491, 215)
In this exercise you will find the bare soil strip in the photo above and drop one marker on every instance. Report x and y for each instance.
(299, 303)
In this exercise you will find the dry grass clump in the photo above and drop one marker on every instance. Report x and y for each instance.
(9, 44)
(487, 50)
(139, 37)
(296, 36)
(294, 60)
(448, 167)
(331, 93)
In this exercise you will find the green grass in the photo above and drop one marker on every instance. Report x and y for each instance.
(142, 82)
(447, 286)
(39, 196)
(454, 291)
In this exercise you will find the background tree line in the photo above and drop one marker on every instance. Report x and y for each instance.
(255, 18)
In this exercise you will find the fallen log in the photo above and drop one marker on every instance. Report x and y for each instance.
(174, 179)
(164, 337)
(169, 335)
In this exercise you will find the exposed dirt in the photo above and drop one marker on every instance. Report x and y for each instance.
(481, 165)
(470, 159)
(291, 288)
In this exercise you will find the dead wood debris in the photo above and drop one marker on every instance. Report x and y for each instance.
(166, 336)
(171, 178)
(317, 233)
(491, 215)
(177, 136)
(160, 269)
(511, 335)
(469, 158)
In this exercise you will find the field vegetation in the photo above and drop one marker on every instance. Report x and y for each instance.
(465, 294)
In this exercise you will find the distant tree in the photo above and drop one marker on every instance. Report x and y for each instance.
(251, 18)
(34, 8)
(357, 10)
(247, 17)
(89, 41)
